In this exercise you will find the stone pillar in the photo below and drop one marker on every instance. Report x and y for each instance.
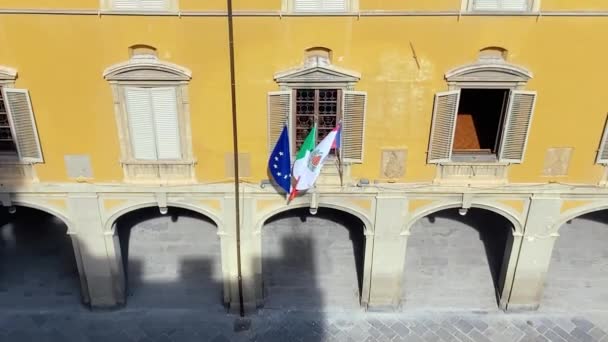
(534, 254)
(248, 258)
(388, 256)
(96, 262)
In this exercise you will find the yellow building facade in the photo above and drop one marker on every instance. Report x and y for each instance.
(73, 75)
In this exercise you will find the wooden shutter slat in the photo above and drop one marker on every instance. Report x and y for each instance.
(602, 154)
(141, 123)
(517, 126)
(499, 5)
(23, 125)
(307, 5)
(443, 127)
(333, 5)
(150, 5)
(164, 105)
(353, 126)
(279, 108)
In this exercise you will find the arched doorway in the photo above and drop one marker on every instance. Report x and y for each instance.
(578, 273)
(37, 264)
(313, 262)
(170, 260)
(457, 262)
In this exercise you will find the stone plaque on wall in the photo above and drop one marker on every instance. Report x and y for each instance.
(393, 163)
(78, 165)
(557, 161)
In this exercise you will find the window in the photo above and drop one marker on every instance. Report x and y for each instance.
(18, 133)
(140, 5)
(502, 5)
(479, 121)
(7, 142)
(153, 123)
(315, 106)
(319, 6)
(153, 118)
(318, 92)
(486, 116)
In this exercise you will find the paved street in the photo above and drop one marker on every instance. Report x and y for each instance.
(189, 325)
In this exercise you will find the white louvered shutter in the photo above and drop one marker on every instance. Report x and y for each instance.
(353, 126)
(500, 5)
(279, 109)
(517, 126)
(141, 123)
(132, 5)
(164, 105)
(333, 5)
(307, 5)
(23, 124)
(602, 154)
(445, 110)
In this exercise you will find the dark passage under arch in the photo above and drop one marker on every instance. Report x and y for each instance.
(170, 261)
(457, 262)
(578, 273)
(37, 264)
(313, 262)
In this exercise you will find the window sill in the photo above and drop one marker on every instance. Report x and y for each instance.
(462, 173)
(159, 172)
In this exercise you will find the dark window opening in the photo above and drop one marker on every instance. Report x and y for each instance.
(7, 143)
(320, 106)
(480, 120)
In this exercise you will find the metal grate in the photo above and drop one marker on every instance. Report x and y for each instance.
(320, 106)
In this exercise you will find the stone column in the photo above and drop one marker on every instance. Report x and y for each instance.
(388, 257)
(102, 283)
(534, 254)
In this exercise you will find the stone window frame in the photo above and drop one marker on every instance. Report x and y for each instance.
(467, 7)
(146, 70)
(170, 6)
(12, 167)
(318, 72)
(490, 71)
(288, 6)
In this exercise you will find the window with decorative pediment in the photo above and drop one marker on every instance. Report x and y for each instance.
(318, 92)
(484, 117)
(152, 114)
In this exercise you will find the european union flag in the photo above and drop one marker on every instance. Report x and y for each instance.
(279, 163)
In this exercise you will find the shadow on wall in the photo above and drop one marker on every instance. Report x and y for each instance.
(170, 261)
(312, 263)
(37, 264)
(449, 257)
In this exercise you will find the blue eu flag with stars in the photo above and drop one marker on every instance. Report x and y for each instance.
(279, 163)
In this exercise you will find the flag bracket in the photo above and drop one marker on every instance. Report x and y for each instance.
(314, 203)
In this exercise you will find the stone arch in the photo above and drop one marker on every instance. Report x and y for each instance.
(500, 252)
(116, 246)
(367, 223)
(109, 223)
(427, 210)
(365, 254)
(577, 212)
(68, 244)
(48, 210)
(576, 268)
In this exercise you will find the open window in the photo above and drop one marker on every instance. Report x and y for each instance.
(485, 117)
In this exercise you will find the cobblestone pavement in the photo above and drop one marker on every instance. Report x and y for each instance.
(189, 325)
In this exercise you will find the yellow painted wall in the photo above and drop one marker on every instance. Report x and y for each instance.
(61, 61)
(186, 5)
(401, 95)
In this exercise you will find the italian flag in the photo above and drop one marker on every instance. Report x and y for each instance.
(310, 159)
